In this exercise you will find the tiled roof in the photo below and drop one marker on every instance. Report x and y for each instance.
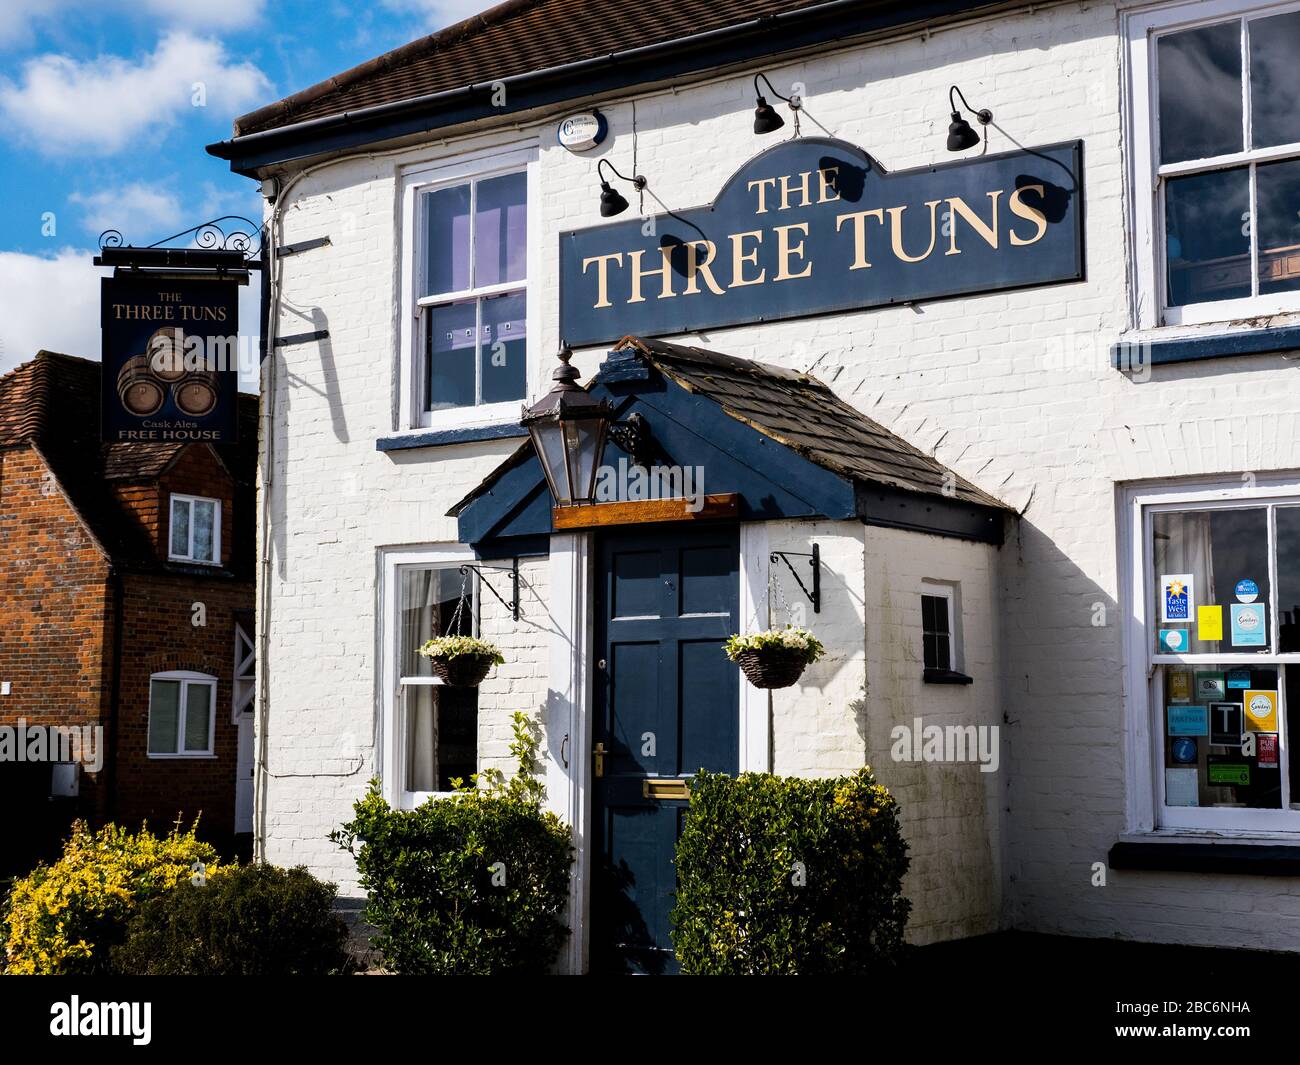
(54, 402)
(515, 37)
(799, 411)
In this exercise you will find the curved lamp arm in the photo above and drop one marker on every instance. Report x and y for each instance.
(637, 180)
(983, 114)
(792, 101)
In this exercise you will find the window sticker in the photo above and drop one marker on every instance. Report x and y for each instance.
(1248, 625)
(1177, 597)
(1246, 591)
(1181, 788)
(1225, 724)
(1190, 720)
(1266, 750)
(1180, 685)
(1238, 679)
(1209, 623)
(1261, 710)
(1173, 641)
(1210, 687)
(1184, 750)
(1232, 774)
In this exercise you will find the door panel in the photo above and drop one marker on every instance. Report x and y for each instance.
(667, 705)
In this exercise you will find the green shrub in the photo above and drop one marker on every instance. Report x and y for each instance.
(778, 875)
(254, 921)
(474, 883)
(61, 919)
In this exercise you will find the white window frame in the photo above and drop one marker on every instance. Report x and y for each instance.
(392, 740)
(187, 679)
(1145, 725)
(177, 497)
(951, 591)
(243, 689)
(1147, 249)
(427, 177)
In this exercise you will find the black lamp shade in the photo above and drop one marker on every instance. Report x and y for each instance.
(960, 134)
(766, 120)
(611, 201)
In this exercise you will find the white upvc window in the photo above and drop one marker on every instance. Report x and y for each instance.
(194, 530)
(182, 720)
(470, 246)
(1215, 141)
(430, 730)
(1214, 655)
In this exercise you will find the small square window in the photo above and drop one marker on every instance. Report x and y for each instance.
(181, 714)
(195, 531)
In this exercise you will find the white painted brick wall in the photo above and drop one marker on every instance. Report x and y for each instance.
(1013, 390)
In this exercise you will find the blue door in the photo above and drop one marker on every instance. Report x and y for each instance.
(667, 704)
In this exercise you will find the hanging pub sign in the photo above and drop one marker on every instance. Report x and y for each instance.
(170, 358)
(816, 225)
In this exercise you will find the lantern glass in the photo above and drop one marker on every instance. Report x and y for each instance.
(548, 442)
(584, 440)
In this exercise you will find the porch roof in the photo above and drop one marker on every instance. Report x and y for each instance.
(832, 460)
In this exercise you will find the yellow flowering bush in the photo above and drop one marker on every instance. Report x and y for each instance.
(61, 919)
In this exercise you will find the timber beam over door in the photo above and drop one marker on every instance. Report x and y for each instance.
(645, 511)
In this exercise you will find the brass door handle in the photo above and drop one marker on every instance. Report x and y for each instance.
(598, 753)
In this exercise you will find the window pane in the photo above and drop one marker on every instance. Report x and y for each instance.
(427, 601)
(164, 716)
(441, 736)
(204, 523)
(1211, 572)
(935, 618)
(1274, 79)
(1199, 74)
(451, 355)
(1208, 236)
(180, 544)
(1288, 578)
(446, 240)
(198, 713)
(505, 348)
(1220, 723)
(501, 230)
(1277, 189)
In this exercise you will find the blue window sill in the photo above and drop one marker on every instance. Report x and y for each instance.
(443, 437)
(1134, 354)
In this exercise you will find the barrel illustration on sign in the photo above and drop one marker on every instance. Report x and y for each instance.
(816, 225)
(170, 355)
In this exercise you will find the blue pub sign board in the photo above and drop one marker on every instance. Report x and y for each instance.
(815, 226)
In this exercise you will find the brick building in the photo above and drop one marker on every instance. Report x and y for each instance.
(126, 597)
(1082, 307)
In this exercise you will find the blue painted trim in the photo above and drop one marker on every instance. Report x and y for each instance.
(1125, 355)
(442, 437)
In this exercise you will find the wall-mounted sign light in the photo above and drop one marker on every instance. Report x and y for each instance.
(960, 134)
(766, 120)
(583, 131)
(611, 200)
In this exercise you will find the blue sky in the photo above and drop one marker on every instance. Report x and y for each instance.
(105, 108)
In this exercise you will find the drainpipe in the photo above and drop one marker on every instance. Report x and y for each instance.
(115, 694)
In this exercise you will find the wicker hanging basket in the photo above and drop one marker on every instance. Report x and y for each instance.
(462, 671)
(773, 667)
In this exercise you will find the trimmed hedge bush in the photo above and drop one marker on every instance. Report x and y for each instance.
(473, 883)
(257, 920)
(62, 919)
(783, 876)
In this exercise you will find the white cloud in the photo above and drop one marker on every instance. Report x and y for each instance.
(108, 103)
(135, 210)
(50, 303)
(438, 14)
(53, 303)
(19, 18)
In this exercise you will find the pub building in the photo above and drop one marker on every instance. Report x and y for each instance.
(964, 340)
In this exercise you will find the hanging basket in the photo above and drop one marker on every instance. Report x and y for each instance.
(462, 671)
(772, 667)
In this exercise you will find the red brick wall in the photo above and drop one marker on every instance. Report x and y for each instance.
(143, 507)
(55, 608)
(159, 636)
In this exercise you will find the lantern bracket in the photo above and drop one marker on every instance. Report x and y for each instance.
(513, 605)
(633, 436)
(815, 561)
